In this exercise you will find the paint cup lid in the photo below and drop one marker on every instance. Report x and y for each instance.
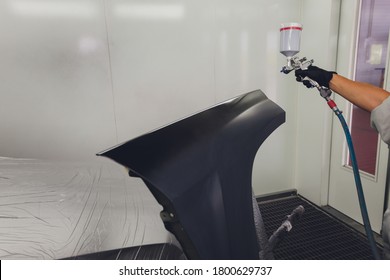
(290, 25)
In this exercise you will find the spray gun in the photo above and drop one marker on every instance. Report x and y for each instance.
(290, 39)
(290, 36)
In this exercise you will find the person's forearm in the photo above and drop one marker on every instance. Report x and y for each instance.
(363, 95)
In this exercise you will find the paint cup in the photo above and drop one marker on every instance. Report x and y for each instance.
(290, 38)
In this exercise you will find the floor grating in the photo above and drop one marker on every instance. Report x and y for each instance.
(316, 236)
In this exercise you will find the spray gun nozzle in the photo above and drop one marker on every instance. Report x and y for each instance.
(285, 70)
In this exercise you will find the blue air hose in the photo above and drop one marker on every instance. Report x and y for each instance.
(325, 93)
(358, 182)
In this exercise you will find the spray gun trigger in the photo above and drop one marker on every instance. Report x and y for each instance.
(310, 83)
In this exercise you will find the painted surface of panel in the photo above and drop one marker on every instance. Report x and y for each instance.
(200, 170)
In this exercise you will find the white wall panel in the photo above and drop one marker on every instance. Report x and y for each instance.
(56, 99)
(162, 61)
(314, 118)
(79, 76)
(247, 58)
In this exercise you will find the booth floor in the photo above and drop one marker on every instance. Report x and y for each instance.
(318, 235)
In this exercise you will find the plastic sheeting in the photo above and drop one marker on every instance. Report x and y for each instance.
(54, 210)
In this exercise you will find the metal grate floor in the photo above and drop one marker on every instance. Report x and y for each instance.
(316, 236)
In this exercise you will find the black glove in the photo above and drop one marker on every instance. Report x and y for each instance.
(321, 76)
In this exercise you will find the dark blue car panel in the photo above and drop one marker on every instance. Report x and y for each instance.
(200, 170)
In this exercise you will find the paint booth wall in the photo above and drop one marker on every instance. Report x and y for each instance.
(80, 76)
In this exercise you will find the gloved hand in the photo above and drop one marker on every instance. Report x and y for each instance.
(321, 76)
